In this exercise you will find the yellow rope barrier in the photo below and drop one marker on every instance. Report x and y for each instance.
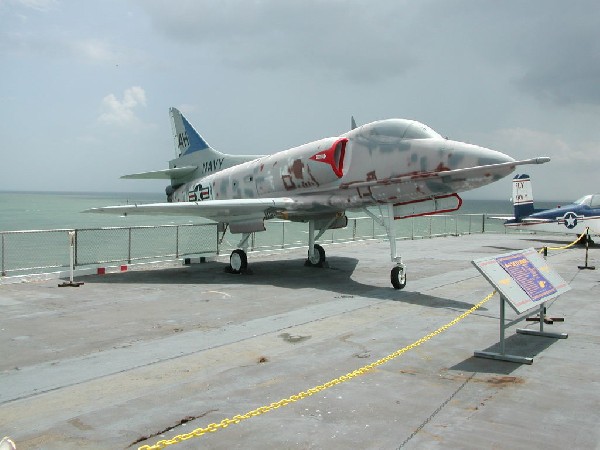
(304, 394)
(568, 245)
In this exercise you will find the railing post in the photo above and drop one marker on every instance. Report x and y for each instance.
(75, 250)
(483, 223)
(354, 229)
(177, 242)
(3, 271)
(129, 248)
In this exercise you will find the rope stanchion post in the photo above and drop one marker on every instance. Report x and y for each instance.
(587, 248)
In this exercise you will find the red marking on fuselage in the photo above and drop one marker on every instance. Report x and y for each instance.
(296, 169)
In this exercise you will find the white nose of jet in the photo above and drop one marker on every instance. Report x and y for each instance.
(474, 155)
(489, 156)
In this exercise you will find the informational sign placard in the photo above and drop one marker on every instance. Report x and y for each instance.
(523, 278)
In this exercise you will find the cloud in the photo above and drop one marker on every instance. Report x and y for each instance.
(121, 112)
(550, 50)
(352, 40)
(58, 46)
(528, 143)
(38, 5)
(95, 50)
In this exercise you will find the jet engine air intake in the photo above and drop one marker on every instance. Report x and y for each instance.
(334, 156)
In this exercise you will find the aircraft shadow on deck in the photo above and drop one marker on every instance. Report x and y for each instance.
(289, 274)
(516, 344)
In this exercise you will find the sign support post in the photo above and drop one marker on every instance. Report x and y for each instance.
(541, 332)
(524, 281)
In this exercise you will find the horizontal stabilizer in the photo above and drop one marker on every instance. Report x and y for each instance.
(168, 174)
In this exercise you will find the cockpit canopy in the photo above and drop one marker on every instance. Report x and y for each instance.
(403, 129)
(593, 201)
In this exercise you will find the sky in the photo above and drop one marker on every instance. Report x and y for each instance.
(85, 86)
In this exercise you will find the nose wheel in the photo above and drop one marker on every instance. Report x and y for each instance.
(398, 277)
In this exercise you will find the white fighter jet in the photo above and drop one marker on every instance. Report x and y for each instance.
(390, 169)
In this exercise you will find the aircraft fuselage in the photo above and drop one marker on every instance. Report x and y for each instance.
(573, 218)
(356, 169)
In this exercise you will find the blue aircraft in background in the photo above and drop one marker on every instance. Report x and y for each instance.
(572, 218)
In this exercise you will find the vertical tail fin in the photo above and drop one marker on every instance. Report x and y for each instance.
(193, 150)
(522, 196)
(187, 139)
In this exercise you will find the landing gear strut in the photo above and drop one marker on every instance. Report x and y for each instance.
(316, 253)
(398, 273)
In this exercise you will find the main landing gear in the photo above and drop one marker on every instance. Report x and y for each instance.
(238, 260)
(317, 259)
(316, 253)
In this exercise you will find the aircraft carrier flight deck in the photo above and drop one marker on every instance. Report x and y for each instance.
(132, 358)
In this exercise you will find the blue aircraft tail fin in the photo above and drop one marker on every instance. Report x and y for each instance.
(522, 196)
(187, 139)
(192, 151)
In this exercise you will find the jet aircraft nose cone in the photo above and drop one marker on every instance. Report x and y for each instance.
(470, 155)
(488, 156)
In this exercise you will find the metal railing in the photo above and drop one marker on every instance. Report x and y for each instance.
(36, 251)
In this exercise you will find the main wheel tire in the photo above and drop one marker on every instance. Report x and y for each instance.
(238, 261)
(398, 278)
(318, 258)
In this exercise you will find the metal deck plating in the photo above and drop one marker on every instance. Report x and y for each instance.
(131, 358)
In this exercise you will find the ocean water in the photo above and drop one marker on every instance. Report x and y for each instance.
(60, 210)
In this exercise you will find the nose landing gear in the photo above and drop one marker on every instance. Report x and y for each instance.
(398, 276)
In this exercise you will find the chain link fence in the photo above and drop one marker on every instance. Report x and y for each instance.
(23, 252)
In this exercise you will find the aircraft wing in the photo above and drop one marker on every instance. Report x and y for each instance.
(452, 175)
(536, 220)
(219, 210)
(167, 174)
(524, 220)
